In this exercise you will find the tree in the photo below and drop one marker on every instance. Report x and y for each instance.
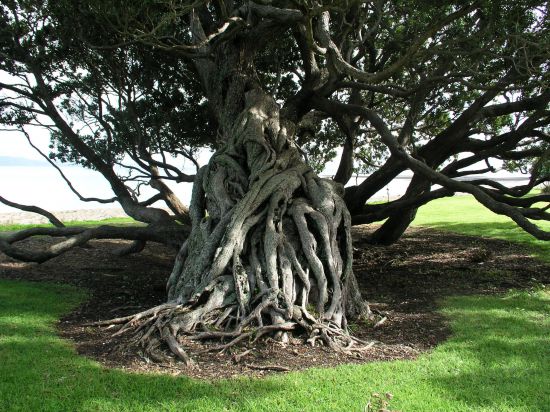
(274, 87)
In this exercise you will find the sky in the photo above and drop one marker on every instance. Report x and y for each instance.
(14, 144)
(25, 177)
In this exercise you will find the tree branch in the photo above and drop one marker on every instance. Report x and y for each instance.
(323, 34)
(517, 215)
(171, 235)
(51, 162)
(375, 213)
(34, 209)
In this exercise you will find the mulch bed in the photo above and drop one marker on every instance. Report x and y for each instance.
(402, 282)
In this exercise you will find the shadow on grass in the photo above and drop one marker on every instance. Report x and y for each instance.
(501, 230)
(506, 340)
(39, 371)
(498, 360)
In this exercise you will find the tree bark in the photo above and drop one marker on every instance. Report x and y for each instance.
(397, 223)
(270, 247)
(345, 168)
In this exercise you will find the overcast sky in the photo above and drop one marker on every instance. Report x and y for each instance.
(14, 144)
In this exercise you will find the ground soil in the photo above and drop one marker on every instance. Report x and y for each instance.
(403, 284)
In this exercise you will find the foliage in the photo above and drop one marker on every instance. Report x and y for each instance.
(441, 89)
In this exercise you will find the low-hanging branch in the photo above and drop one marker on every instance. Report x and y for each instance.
(34, 209)
(78, 236)
(516, 214)
(375, 213)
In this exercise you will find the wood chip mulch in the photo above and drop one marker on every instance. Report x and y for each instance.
(403, 284)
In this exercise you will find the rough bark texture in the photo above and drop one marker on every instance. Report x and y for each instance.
(396, 224)
(270, 250)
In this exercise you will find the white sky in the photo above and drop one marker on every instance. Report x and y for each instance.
(14, 144)
(42, 186)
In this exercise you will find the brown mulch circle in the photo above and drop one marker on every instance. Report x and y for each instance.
(402, 282)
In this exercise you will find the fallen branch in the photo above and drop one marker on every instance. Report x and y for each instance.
(267, 367)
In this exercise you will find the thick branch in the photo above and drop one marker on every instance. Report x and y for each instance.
(130, 206)
(375, 213)
(171, 235)
(421, 168)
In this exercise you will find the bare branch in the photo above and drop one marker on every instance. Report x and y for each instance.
(171, 235)
(51, 162)
(517, 215)
(34, 209)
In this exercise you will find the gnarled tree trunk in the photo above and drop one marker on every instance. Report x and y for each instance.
(270, 250)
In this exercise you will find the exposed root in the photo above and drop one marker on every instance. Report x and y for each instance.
(380, 322)
(161, 332)
(237, 357)
(175, 347)
(269, 254)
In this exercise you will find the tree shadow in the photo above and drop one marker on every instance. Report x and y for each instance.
(497, 360)
(509, 358)
(39, 371)
(501, 230)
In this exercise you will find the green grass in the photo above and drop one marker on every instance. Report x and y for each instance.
(109, 221)
(497, 360)
(463, 214)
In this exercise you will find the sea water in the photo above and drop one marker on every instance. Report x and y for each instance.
(43, 186)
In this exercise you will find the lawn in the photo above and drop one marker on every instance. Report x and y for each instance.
(117, 221)
(462, 214)
(498, 358)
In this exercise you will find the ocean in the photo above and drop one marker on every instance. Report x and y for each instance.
(42, 186)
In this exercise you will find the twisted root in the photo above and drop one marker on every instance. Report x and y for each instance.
(170, 325)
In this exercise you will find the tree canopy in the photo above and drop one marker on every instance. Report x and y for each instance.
(118, 83)
(130, 88)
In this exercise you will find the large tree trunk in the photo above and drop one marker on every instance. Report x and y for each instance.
(394, 227)
(270, 249)
(397, 223)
